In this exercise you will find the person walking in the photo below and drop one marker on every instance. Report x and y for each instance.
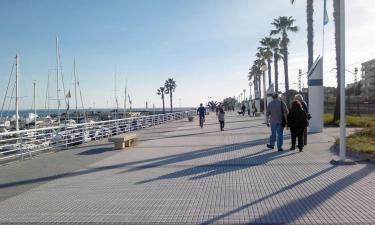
(243, 109)
(276, 118)
(254, 110)
(299, 98)
(221, 117)
(297, 122)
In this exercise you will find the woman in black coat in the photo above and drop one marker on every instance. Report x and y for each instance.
(297, 122)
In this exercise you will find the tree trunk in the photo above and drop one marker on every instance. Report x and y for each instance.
(310, 32)
(336, 17)
(170, 97)
(269, 72)
(259, 86)
(162, 97)
(275, 58)
(255, 87)
(285, 60)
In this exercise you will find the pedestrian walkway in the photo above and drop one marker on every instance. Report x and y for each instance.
(181, 173)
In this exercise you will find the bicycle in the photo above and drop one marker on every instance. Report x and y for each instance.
(201, 121)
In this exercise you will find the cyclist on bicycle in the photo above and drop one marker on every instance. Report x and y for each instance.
(201, 111)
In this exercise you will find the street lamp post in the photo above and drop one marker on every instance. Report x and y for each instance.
(244, 98)
(250, 97)
(263, 68)
(343, 160)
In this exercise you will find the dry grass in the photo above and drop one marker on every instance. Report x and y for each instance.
(362, 141)
(351, 121)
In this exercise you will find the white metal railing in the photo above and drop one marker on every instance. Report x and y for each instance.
(28, 142)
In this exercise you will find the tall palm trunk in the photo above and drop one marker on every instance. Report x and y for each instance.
(269, 72)
(336, 17)
(255, 86)
(276, 67)
(259, 86)
(310, 32)
(170, 97)
(162, 98)
(286, 73)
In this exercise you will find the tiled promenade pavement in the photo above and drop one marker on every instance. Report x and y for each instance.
(179, 173)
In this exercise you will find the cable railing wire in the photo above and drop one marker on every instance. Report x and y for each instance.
(19, 144)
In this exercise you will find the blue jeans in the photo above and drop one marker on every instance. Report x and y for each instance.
(276, 129)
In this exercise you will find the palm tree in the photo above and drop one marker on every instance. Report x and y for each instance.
(310, 31)
(275, 46)
(283, 25)
(161, 92)
(255, 74)
(170, 86)
(266, 52)
(336, 17)
(213, 105)
(259, 63)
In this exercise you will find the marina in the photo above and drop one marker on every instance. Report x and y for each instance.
(26, 143)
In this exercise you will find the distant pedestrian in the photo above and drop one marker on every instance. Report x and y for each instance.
(299, 98)
(254, 109)
(276, 118)
(243, 109)
(221, 117)
(297, 122)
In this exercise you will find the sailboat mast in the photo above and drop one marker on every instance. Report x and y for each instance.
(116, 103)
(17, 74)
(75, 87)
(57, 79)
(126, 85)
(34, 84)
(46, 104)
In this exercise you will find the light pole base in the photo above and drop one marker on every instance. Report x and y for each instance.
(345, 162)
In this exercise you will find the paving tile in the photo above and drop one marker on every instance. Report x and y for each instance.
(180, 173)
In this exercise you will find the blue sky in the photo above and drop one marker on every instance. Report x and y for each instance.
(207, 46)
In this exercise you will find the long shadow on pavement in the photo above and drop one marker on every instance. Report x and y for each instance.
(199, 154)
(301, 206)
(225, 166)
(195, 134)
(153, 163)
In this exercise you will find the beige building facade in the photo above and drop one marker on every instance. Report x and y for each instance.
(368, 79)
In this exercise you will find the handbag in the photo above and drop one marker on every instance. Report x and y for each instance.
(283, 121)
